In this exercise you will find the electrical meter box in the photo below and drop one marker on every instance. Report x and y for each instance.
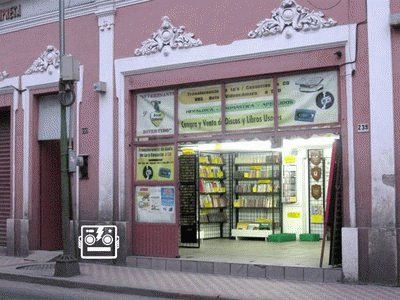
(69, 68)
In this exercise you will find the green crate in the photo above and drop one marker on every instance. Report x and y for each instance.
(281, 237)
(309, 237)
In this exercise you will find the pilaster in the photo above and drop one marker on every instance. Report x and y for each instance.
(106, 15)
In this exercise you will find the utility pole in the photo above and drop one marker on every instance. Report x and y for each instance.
(67, 265)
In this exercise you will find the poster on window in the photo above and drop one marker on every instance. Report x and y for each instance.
(155, 163)
(249, 105)
(155, 113)
(308, 99)
(199, 109)
(155, 204)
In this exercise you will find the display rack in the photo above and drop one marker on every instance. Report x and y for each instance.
(257, 200)
(212, 199)
(316, 184)
(189, 226)
(289, 188)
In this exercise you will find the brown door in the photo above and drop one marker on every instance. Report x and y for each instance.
(5, 174)
(50, 196)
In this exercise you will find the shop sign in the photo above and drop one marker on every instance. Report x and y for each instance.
(10, 13)
(155, 113)
(308, 99)
(249, 105)
(155, 204)
(199, 109)
(155, 163)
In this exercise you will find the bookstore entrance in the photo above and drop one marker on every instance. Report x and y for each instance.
(251, 201)
(230, 166)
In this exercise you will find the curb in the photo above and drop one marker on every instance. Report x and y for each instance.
(106, 288)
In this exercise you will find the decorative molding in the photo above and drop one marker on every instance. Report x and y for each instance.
(52, 17)
(49, 57)
(168, 36)
(106, 25)
(3, 75)
(290, 14)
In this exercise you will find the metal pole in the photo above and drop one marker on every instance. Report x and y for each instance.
(66, 265)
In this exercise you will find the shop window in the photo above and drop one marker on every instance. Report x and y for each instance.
(249, 105)
(308, 99)
(155, 113)
(200, 109)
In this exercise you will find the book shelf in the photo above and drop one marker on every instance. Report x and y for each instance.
(212, 194)
(257, 200)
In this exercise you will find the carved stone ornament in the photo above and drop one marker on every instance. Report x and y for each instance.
(49, 57)
(168, 37)
(291, 14)
(3, 75)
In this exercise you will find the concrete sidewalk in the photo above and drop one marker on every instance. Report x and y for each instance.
(183, 285)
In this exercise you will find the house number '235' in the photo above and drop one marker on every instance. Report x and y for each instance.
(363, 127)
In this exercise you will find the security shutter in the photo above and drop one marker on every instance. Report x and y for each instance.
(5, 174)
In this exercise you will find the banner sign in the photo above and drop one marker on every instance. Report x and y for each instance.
(155, 204)
(308, 99)
(199, 109)
(155, 113)
(249, 105)
(155, 163)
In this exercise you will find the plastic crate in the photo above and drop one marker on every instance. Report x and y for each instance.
(310, 237)
(281, 237)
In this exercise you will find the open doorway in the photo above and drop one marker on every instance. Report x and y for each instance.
(255, 203)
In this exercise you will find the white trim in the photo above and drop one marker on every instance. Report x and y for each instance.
(35, 80)
(79, 93)
(350, 127)
(50, 78)
(13, 81)
(350, 254)
(106, 116)
(344, 35)
(381, 113)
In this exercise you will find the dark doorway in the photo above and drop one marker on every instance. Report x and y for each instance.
(50, 196)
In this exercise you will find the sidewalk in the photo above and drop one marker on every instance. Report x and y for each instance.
(182, 285)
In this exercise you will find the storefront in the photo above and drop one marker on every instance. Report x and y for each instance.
(206, 122)
(244, 157)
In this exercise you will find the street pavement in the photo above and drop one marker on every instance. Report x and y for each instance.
(183, 285)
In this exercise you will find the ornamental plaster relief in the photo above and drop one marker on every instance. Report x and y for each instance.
(290, 14)
(168, 37)
(50, 57)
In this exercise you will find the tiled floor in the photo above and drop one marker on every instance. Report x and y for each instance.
(294, 253)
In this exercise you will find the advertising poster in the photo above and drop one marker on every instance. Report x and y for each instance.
(155, 204)
(200, 109)
(249, 105)
(155, 163)
(155, 113)
(308, 99)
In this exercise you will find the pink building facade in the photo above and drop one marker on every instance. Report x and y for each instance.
(137, 46)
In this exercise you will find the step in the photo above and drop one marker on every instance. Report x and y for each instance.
(309, 274)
